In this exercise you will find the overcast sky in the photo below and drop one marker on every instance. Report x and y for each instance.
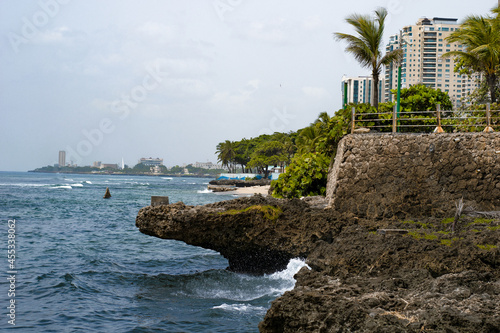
(169, 78)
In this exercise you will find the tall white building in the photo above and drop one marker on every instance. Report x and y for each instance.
(424, 44)
(62, 158)
(360, 89)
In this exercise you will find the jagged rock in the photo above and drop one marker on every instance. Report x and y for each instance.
(367, 282)
(107, 195)
(256, 234)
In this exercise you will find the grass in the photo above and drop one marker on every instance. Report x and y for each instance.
(480, 220)
(494, 228)
(421, 224)
(448, 220)
(448, 242)
(270, 212)
(486, 247)
(422, 235)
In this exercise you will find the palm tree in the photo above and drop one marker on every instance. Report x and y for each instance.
(226, 154)
(481, 38)
(366, 45)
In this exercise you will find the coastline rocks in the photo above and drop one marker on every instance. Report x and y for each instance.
(360, 279)
(257, 234)
(364, 281)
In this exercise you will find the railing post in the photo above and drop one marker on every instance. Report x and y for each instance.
(353, 112)
(438, 129)
(394, 119)
(488, 120)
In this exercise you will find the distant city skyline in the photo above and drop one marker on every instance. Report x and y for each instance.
(106, 80)
(143, 160)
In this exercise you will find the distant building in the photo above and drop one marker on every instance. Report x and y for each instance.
(109, 166)
(360, 89)
(156, 169)
(423, 44)
(97, 164)
(62, 158)
(207, 165)
(151, 161)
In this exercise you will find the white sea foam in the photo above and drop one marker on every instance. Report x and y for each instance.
(292, 268)
(240, 308)
(204, 191)
(167, 178)
(77, 185)
(24, 184)
(246, 288)
(68, 187)
(88, 182)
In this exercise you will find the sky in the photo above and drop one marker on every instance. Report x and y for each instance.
(113, 79)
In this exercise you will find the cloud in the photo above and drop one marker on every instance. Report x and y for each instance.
(237, 99)
(279, 30)
(315, 92)
(159, 31)
(185, 67)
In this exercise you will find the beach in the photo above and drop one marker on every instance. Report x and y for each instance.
(251, 190)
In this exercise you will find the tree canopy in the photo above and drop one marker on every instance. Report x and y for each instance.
(367, 44)
(480, 37)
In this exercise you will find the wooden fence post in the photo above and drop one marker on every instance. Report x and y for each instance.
(394, 119)
(438, 129)
(353, 112)
(488, 120)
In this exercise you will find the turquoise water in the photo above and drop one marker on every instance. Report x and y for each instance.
(81, 265)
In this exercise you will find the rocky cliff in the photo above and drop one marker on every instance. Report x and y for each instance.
(257, 235)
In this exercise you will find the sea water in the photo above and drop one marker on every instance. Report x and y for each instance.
(81, 265)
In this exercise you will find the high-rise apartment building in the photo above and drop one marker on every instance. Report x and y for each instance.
(62, 158)
(360, 89)
(424, 44)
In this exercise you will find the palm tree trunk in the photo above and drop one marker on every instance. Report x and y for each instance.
(375, 89)
(492, 84)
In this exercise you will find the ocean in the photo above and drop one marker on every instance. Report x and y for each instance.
(80, 265)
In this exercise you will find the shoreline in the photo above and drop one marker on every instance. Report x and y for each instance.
(252, 190)
(244, 191)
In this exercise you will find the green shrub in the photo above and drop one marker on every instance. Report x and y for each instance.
(305, 176)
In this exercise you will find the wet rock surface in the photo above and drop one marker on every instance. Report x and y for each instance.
(257, 235)
(425, 281)
(361, 280)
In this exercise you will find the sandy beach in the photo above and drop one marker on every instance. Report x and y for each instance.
(251, 190)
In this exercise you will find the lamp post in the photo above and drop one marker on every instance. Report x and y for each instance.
(345, 92)
(400, 62)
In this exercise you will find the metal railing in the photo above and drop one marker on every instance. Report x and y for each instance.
(437, 121)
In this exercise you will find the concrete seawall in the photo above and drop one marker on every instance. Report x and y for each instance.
(385, 175)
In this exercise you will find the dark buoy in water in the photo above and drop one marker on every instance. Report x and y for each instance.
(107, 195)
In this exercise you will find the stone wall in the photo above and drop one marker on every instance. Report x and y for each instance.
(386, 175)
